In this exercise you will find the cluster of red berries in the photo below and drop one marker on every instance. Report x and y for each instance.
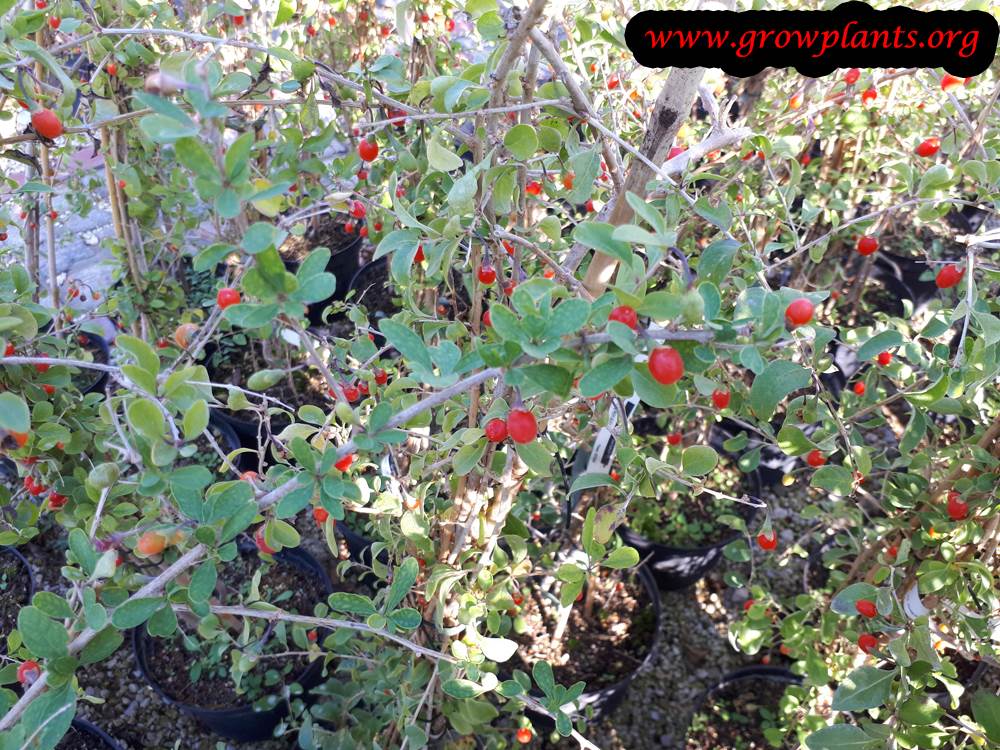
(520, 426)
(32, 487)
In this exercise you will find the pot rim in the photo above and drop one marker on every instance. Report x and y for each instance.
(88, 727)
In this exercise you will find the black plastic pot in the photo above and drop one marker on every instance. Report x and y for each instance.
(242, 723)
(25, 567)
(359, 547)
(602, 702)
(676, 568)
(756, 672)
(774, 464)
(343, 264)
(372, 278)
(360, 550)
(245, 430)
(901, 275)
(230, 439)
(243, 423)
(83, 726)
(95, 343)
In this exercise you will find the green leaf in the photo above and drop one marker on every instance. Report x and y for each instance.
(163, 106)
(246, 315)
(878, 343)
(52, 605)
(163, 623)
(135, 612)
(930, 394)
(354, 604)
(598, 236)
(864, 688)
(283, 533)
(536, 456)
(161, 129)
(605, 376)
(605, 522)
(83, 551)
(146, 419)
(31, 186)
(836, 479)
(462, 688)
(406, 618)
(441, 158)
(717, 260)
(591, 480)
(542, 674)
(461, 197)
(661, 306)
(920, 711)
(552, 378)
(467, 457)
(105, 643)
(203, 582)
(506, 324)
(237, 156)
(403, 579)
(143, 353)
(140, 377)
(193, 155)
(45, 58)
(839, 737)
(195, 419)
(264, 379)
(843, 603)
(651, 392)
(935, 179)
(409, 344)
(638, 236)
(721, 216)
(986, 710)
(699, 460)
(567, 317)
(793, 441)
(585, 165)
(777, 380)
(50, 715)
(399, 239)
(476, 8)
(43, 636)
(521, 141)
(259, 237)
(623, 557)
(286, 12)
(14, 414)
(497, 649)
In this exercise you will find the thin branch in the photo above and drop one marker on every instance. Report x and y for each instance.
(580, 101)
(970, 299)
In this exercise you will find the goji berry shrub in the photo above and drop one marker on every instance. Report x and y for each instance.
(810, 263)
